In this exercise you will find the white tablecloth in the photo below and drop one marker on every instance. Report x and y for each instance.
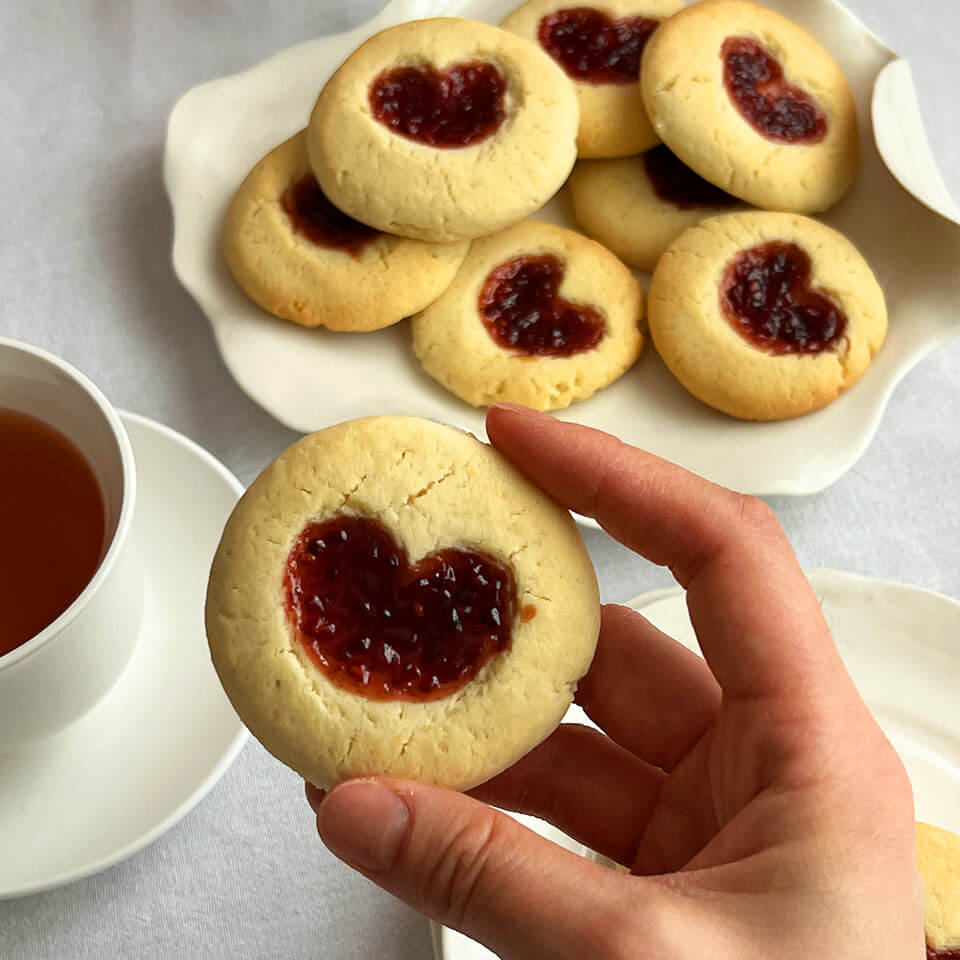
(85, 272)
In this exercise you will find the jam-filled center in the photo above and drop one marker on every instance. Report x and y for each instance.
(594, 48)
(777, 109)
(314, 216)
(455, 107)
(766, 295)
(952, 953)
(388, 629)
(521, 309)
(673, 181)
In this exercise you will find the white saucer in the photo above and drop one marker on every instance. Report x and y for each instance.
(900, 645)
(155, 746)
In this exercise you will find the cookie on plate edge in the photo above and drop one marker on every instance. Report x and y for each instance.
(301, 259)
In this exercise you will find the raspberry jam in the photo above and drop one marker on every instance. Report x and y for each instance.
(777, 109)
(521, 310)
(676, 183)
(456, 107)
(313, 215)
(766, 295)
(387, 629)
(593, 48)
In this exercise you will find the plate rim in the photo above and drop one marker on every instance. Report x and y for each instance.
(217, 771)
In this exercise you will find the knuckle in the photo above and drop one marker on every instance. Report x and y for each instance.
(754, 514)
(459, 867)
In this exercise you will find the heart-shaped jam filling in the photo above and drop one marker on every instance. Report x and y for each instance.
(775, 108)
(934, 954)
(388, 629)
(455, 107)
(313, 215)
(592, 47)
(676, 183)
(521, 309)
(766, 295)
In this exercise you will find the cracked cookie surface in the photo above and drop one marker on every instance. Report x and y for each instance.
(414, 189)
(613, 121)
(722, 364)
(363, 280)
(433, 488)
(456, 346)
(686, 94)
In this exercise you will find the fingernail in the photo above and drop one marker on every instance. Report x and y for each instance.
(515, 408)
(314, 796)
(364, 823)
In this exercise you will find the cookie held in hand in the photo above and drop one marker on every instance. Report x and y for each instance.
(391, 597)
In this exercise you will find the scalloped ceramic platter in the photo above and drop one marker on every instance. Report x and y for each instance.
(899, 644)
(309, 379)
(157, 744)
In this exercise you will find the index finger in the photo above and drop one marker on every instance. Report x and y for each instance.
(759, 624)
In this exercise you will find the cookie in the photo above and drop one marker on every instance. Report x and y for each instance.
(765, 315)
(754, 104)
(536, 315)
(300, 258)
(391, 597)
(444, 130)
(638, 206)
(599, 47)
(938, 853)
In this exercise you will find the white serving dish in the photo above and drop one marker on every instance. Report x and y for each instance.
(309, 379)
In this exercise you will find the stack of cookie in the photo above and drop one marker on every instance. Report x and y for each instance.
(408, 193)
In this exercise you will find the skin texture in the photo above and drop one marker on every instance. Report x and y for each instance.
(734, 788)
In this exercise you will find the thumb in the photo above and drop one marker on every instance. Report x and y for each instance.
(472, 868)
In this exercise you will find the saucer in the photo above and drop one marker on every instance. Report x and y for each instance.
(153, 748)
(899, 644)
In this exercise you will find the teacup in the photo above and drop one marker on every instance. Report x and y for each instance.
(52, 679)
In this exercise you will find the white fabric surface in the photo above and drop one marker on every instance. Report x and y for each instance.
(84, 272)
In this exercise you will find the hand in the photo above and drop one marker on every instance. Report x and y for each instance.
(760, 808)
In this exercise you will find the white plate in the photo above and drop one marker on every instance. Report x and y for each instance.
(900, 646)
(309, 379)
(155, 746)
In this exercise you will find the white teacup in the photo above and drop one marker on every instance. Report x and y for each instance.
(59, 674)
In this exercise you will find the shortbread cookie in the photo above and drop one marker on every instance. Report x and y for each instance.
(392, 597)
(938, 852)
(599, 46)
(299, 257)
(754, 104)
(638, 206)
(536, 315)
(765, 315)
(444, 129)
